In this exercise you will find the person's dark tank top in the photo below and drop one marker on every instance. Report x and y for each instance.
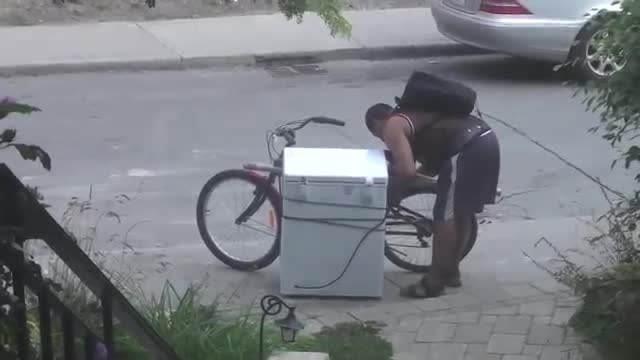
(438, 139)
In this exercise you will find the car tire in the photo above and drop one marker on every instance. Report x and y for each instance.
(584, 62)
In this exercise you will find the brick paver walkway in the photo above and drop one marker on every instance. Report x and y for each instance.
(526, 324)
(523, 329)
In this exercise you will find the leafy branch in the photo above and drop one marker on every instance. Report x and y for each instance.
(7, 137)
(328, 10)
(8, 106)
(610, 293)
(617, 99)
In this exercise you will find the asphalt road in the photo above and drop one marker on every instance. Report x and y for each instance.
(158, 136)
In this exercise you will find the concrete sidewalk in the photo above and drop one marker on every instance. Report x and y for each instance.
(224, 41)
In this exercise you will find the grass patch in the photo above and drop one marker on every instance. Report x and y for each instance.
(349, 341)
(199, 331)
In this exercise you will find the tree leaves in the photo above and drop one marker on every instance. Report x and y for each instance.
(327, 10)
(632, 154)
(28, 152)
(617, 99)
(611, 299)
(293, 8)
(8, 135)
(7, 107)
(33, 153)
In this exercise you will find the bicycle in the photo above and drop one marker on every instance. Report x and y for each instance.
(261, 180)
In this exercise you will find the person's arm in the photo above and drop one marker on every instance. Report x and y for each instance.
(403, 170)
(396, 137)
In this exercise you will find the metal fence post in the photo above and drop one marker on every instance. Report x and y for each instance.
(20, 310)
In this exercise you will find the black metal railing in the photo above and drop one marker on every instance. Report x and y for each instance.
(28, 275)
(23, 218)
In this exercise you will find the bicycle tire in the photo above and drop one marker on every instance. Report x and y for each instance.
(399, 262)
(272, 196)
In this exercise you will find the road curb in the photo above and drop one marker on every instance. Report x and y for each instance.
(225, 62)
(69, 68)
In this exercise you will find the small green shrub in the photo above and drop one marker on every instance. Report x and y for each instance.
(349, 341)
(198, 331)
(610, 313)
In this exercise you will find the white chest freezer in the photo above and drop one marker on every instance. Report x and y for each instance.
(331, 199)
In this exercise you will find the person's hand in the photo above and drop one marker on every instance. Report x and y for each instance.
(395, 191)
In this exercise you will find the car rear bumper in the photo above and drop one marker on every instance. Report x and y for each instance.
(526, 36)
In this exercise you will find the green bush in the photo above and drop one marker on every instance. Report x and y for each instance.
(617, 99)
(610, 312)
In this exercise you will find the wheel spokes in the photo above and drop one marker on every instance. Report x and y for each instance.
(234, 220)
(598, 60)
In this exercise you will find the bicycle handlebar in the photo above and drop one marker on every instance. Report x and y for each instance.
(287, 129)
(326, 120)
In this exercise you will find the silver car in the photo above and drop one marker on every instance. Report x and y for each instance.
(555, 30)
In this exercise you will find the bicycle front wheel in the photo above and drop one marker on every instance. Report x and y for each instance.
(238, 215)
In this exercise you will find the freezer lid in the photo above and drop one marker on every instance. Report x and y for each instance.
(331, 165)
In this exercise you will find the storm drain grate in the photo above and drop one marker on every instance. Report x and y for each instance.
(295, 70)
(291, 66)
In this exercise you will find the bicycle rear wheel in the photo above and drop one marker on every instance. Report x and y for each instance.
(222, 202)
(403, 246)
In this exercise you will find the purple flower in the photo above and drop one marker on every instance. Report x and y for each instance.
(8, 100)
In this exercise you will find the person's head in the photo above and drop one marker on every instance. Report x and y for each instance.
(375, 117)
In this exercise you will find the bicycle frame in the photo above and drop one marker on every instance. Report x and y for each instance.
(399, 215)
(401, 221)
(259, 195)
(408, 217)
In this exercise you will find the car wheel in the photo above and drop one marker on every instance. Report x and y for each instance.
(589, 59)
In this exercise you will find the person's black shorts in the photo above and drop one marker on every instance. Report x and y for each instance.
(469, 180)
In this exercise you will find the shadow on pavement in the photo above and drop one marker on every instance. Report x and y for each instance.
(499, 68)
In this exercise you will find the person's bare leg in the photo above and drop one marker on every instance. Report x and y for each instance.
(444, 259)
(463, 229)
(448, 255)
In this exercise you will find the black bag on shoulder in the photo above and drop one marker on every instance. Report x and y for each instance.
(426, 92)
